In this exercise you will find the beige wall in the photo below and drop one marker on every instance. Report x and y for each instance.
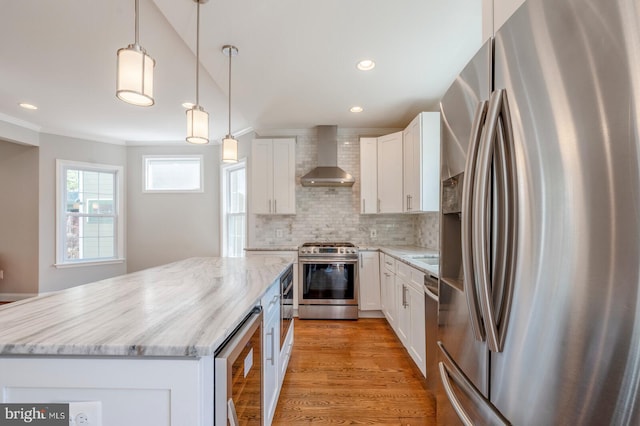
(166, 227)
(54, 147)
(495, 13)
(18, 220)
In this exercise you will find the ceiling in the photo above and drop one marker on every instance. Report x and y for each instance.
(296, 66)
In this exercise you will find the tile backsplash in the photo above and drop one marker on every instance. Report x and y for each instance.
(333, 214)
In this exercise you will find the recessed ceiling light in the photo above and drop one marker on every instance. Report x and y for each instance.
(356, 109)
(187, 105)
(27, 106)
(366, 65)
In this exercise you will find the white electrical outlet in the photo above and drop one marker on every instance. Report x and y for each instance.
(373, 233)
(85, 413)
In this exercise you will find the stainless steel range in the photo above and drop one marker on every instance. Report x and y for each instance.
(328, 281)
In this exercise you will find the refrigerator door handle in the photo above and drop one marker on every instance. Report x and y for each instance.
(498, 140)
(470, 289)
(482, 208)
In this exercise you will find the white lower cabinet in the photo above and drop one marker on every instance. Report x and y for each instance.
(402, 302)
(271, 351)
(387, 288)
(369, 271)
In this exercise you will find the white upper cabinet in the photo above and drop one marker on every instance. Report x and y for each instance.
(368, 175)
(421, 164)
(273, 176)
(390, 196)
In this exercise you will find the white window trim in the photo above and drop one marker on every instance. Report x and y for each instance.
(60, 205)
(172, 191)
(223, 203)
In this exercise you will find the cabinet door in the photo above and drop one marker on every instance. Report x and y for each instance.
(417, 342)
(429, 163)
(261, 176)
(271, 366)
(403, 316)
(411, 165)
(368, 175)
(390, 173)
(284, 176)
(369, 281)
(388, 296)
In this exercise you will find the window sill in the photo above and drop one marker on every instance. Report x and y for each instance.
(88, 263)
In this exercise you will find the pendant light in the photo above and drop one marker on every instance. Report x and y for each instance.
(134, 80)
(197, 117)
(229, 144)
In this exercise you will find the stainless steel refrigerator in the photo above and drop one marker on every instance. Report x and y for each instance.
(539, 310)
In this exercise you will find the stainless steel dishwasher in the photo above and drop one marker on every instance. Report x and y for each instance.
(431, 292)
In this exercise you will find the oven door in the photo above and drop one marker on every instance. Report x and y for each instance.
(328, 282)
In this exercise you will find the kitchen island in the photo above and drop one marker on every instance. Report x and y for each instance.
(143, 344)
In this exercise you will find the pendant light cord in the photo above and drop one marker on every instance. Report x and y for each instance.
(230, 54)
(137, 9)
(198, 53)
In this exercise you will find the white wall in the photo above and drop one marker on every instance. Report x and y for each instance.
(163, 228)
(54, 147)
(18, 220)
(495, 13)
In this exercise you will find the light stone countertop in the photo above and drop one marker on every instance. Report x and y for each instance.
(404, 254)
(185, 308)
(272, 248)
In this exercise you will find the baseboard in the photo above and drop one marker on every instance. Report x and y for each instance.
(370, 314)
(14, 297)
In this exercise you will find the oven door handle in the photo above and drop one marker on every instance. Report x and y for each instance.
(325, 260)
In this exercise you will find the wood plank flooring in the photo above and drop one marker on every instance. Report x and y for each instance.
(352, 372)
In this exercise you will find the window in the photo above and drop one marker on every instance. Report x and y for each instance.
(177, 173)
(89, 213)
(234, 209)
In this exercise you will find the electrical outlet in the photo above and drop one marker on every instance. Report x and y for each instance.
(85, 413)
(373, 233)
(279, 233)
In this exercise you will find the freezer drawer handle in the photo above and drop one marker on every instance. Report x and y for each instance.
(444, 375)
(470, 289)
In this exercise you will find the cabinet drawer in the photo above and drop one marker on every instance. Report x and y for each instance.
(403, 270)
(389, 263)
(271, 299)
(411, 275)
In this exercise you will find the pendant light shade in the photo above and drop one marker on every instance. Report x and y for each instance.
(229, 143)
(197, 117)
(229, 150)
(197, 125)
(134, 80)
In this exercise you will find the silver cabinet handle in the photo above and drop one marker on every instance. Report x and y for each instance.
(361, 265)
(271, 335)
(378, 205)
(467, 222)
(404, 296)
(269, 206)
(275, 206)
(364, 208)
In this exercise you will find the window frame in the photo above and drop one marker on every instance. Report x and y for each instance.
(60, 217)
(146, 190)
(225, 169)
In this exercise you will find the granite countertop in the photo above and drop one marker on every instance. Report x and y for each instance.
(407, 254)
(185, 308)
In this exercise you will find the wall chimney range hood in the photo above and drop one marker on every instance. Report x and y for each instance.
(327, 173)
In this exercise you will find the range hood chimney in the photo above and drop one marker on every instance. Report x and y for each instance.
(327, 173)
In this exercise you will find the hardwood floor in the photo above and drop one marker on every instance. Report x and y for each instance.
(352, 372)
